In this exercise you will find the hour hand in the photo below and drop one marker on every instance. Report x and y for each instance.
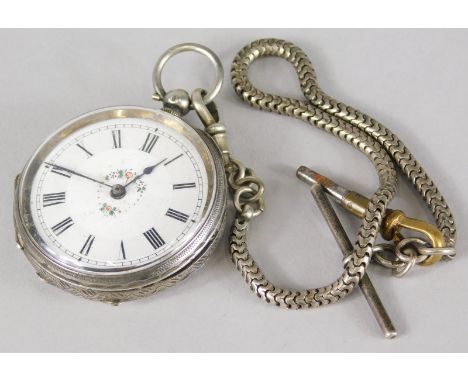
(76, 173)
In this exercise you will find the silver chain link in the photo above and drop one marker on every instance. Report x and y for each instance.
(248, 188)
(379, 144)
(409, 252)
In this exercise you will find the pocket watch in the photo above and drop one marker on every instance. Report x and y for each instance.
(125, 201)
(122, 202)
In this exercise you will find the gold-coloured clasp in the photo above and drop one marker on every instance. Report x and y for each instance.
(395, 220)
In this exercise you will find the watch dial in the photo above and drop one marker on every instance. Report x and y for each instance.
(120, 193)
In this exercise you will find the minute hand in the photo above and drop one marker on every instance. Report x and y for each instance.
(146, 171)
(77, 174)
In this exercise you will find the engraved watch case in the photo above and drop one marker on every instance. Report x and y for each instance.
(129, 282)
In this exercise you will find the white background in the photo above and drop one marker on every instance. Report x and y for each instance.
(414, 81)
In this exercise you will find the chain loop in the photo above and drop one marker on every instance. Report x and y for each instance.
(404, 255)
(431, 251)
(378, 143)
(379, 257)
(248, 188)
(407, 253)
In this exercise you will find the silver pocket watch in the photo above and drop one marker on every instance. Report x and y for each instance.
(125, 201)
(122, 202)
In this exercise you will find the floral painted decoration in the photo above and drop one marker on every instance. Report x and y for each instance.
(127, 175)
(109, 210)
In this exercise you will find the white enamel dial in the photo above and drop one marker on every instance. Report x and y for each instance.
(118, 193)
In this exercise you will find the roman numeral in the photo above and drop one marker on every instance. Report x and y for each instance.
(173, 159)
(60, 171)
(177, 215)
(87, 245)
(116, 139)
(122, 250)
(183, 185)
(86, 151)
(62, 226)
(53, 199)
(150, 140)
(153, 237)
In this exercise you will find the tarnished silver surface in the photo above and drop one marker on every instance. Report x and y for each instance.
(131, 282)
(406, 251)
(380, 145)
(248, 188)
(402, 257)
(160, 92)
(367, 288)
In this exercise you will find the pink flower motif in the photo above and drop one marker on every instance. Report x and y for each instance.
(128, 174)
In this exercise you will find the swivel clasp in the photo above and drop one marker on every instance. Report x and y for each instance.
(393, 222)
